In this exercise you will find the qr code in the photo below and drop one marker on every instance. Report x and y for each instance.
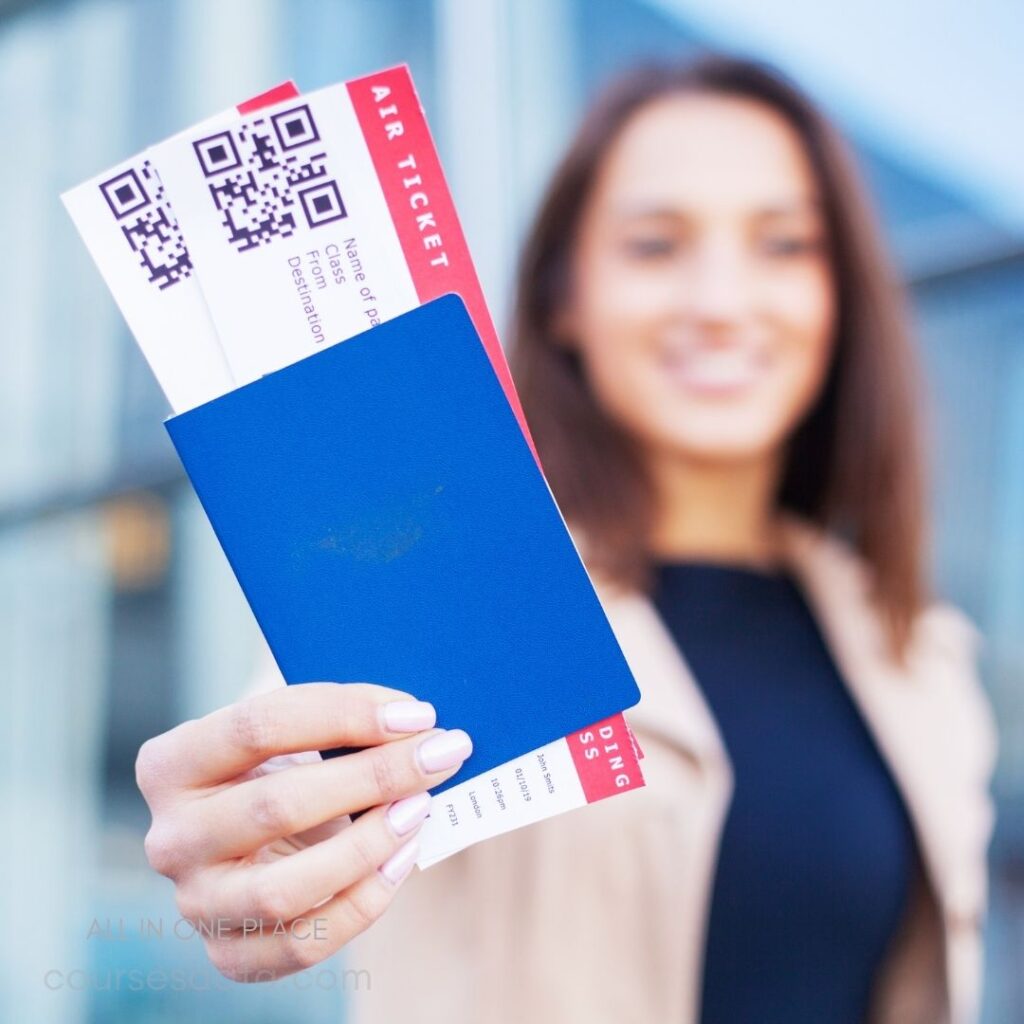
(136, 198)
(265, 173)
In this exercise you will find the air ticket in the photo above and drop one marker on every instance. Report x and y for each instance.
(265, 233)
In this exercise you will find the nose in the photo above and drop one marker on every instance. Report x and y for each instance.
(715, 289)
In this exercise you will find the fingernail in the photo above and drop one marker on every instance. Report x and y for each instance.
(444, 750)
(409, 715)
(399, 864)
(405, 815)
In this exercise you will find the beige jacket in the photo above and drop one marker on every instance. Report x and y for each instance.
(599, 915)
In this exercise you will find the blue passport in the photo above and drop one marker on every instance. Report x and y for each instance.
(388, 523)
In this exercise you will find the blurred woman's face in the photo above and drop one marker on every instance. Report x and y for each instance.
(702, 301)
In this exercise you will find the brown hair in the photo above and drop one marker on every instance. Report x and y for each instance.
(853, 465)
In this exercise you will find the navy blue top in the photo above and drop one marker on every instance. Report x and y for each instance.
(817, 851)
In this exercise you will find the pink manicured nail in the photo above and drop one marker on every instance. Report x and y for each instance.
(444, 750)
(409, 716)
(405, 815)
(399, 864)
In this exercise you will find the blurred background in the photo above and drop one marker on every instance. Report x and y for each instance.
(118, 614)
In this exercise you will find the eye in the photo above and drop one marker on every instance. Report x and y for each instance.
(790, 245)
(650, 246)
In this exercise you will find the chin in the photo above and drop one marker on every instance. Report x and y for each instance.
(719, 439)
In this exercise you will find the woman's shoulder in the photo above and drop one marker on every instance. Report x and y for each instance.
(944, 643)
(829, 561)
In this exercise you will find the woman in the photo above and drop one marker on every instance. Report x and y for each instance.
(712, 358)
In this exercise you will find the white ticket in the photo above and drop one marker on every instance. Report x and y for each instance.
(597, 762)
(288, 230)
(126, 220)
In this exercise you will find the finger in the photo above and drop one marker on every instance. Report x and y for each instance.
(290, 887)
(291, 719)
(267, 952)
(235, 822)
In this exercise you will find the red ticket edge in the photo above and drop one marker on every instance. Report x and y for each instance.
(605, 757)
(285, 91)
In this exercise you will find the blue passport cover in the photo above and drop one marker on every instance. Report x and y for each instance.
(388, 523)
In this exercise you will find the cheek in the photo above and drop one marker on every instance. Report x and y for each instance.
(614, 324)
(615, 316)
(804, 314)
(614, 299)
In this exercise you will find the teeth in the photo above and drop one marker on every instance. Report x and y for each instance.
(713, 369)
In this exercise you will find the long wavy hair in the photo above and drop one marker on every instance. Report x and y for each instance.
(853, 465)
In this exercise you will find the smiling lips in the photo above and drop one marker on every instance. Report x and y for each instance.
(714, 371)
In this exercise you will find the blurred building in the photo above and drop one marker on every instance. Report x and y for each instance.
(120, 616)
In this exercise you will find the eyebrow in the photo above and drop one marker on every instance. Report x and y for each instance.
(661, 212)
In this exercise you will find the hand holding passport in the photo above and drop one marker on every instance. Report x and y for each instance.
(346, 416)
